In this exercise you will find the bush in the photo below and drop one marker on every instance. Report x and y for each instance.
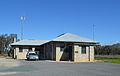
(108, 50)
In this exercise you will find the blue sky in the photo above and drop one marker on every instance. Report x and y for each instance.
(46, 19)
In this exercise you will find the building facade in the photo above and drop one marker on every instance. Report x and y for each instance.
(66, 47)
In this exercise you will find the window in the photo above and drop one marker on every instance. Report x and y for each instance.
(20, 49)
(83, 50)
(32, 54)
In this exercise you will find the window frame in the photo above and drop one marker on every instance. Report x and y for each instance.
(20, 49)
(83, 50)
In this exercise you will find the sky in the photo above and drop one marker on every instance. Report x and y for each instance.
(46, 19)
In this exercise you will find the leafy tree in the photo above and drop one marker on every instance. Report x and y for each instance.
(5, 41)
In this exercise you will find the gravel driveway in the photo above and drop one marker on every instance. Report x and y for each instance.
(6, 64)
(46, 68)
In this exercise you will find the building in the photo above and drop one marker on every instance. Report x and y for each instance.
(13, 38)
(66, 47)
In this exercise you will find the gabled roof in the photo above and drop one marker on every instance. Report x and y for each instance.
(68, 37)
(30, 42)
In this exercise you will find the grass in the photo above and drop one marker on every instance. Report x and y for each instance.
(108, 59)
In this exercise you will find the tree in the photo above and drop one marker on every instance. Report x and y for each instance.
(108, 50)
(5, 41)
(2, 43)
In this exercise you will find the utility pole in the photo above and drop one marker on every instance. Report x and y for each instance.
(93, 32)
(22, 27)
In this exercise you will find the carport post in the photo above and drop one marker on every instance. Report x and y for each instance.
(52, 51)
(44, 51)
(33, 49)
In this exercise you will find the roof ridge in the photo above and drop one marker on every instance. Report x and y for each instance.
(72, 37)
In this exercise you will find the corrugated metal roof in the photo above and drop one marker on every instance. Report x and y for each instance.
(30, 42)
(68, 37)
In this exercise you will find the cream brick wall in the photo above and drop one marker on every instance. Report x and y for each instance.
(58, 52)
(20, 55)
(79, 57)
(76, 53)
(84, 57)
(91, 53)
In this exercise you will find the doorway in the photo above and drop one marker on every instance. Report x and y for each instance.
(67, 53)
(70, 49)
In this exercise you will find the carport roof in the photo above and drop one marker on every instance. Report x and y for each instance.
(68, 37)
(30, 42)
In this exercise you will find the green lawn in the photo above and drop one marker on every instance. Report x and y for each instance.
(107, 59)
